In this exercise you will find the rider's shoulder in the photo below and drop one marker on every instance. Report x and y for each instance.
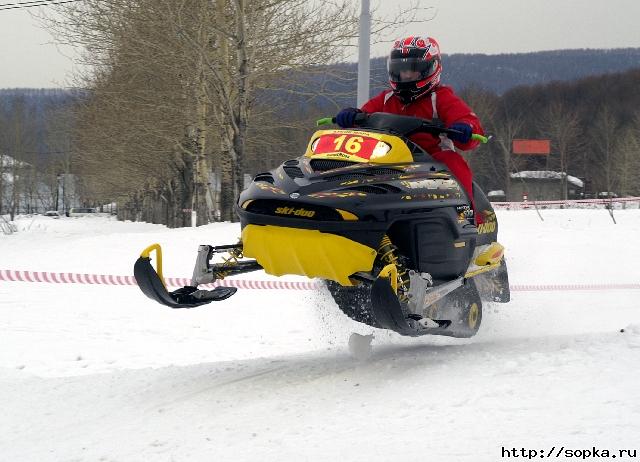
(377, 102)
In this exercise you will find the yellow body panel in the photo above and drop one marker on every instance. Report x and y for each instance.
(347, 216)
(491, 256)
(306, 252)
(481, 270)
(488, 260)
(390, 272)
(399, 152)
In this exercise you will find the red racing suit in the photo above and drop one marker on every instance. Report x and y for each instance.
(442, 103)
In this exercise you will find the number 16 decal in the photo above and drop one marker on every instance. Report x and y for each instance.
(352, 146)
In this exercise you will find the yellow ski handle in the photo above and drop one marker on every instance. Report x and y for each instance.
(145, 254)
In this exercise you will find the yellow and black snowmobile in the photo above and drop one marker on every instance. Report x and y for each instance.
(389, 229)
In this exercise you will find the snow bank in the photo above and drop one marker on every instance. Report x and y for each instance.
(103, 373)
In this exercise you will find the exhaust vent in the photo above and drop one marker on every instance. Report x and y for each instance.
(376, 189)
(264, 177)
(293, 171)
(322, 165)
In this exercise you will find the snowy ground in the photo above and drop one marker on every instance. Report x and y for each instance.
(100, 373)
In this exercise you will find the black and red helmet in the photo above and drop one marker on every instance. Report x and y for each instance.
(414, 67)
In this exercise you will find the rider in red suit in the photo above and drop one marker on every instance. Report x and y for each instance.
(414, 68)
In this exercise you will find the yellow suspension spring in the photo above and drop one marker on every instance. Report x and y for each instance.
(228, 263)
(387, 252)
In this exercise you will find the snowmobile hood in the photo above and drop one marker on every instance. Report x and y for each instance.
(351, 183)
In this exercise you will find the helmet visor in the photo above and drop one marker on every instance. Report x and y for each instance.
(410, 69)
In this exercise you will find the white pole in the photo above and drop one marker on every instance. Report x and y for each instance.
(364, 41)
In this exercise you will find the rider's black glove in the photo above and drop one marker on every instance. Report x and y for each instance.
(347, 117)
(465, 132)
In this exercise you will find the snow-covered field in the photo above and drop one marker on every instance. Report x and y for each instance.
(101, 373)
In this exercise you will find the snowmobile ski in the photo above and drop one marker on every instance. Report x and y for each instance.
(151, 283)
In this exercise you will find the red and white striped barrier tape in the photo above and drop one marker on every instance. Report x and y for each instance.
(567, 203)
(568, 287)
(113, 280)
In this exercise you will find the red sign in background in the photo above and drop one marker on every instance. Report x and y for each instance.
(535, 147)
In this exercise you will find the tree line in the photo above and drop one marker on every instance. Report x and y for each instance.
(593, 125)
(35, 151)
(181, 94)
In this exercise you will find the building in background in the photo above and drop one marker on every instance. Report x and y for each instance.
(544, 185)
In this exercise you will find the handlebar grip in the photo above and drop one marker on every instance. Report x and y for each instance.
(360, 117)
(326, 121)
(482, 139)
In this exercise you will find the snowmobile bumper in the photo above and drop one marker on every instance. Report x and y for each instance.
(151, 283)
(283, 250)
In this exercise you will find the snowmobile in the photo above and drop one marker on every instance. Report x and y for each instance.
(389, 230)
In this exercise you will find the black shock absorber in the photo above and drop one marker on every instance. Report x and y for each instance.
(388, 254)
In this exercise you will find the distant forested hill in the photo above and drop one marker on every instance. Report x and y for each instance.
(497, 73)
(335, 86)
(32, 109)
(500, 73)
(37, 100)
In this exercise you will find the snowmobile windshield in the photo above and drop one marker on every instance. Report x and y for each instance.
(410, 69)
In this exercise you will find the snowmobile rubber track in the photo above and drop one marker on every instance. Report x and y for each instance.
(353, 301)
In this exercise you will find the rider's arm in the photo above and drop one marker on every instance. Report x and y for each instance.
(452, 109)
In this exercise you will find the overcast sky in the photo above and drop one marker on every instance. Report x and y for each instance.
(29, 59)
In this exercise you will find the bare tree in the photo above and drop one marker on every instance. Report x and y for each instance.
(174, 85)
(562, 126)
(627, 159)
(60, 123)
(482, 161)
(505, 124)
(255, 44)
(17, 144)
(3, 159)
(604, 146)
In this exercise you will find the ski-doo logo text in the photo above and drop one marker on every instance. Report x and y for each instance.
(487, 227)
(296, 212)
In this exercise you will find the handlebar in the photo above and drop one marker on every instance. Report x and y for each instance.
(425, 126)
